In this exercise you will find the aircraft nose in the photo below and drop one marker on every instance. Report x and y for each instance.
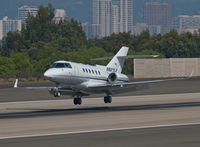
(47, 74)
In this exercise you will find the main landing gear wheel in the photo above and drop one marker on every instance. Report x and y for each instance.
(77, 101)
(107, 99)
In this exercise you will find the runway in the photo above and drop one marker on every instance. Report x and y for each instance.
(38, 119)
(166, 118)
(175, 136)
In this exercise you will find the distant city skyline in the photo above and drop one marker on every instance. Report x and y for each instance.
(114, 16)
(84, 7)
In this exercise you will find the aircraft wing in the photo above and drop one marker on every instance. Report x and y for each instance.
(41, 87)
(126, 84)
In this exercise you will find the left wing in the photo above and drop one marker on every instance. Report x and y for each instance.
(41, 87)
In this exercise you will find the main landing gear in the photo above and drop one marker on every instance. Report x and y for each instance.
(77, 101)
(108, 99)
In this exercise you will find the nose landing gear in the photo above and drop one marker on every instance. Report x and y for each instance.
(55, 92)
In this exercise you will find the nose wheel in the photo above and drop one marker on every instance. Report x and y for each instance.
(107, 99)
(57, 94)
(77, 101)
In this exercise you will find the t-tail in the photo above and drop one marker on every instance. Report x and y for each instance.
(117, 62)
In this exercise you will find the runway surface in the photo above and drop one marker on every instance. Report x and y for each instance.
(164, 114)
(42, 119)
(176, 136)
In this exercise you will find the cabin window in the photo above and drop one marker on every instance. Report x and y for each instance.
(83, 69)
(93, 71)
(99, 72)
(96, 72)
(89, 71)
(86, 70)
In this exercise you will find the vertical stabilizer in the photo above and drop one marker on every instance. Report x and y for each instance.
(116, 64)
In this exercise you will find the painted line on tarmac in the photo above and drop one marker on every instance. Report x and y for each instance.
(98, 131)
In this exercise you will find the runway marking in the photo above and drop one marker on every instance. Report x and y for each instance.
(98, 131)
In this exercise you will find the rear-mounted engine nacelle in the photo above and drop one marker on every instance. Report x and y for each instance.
(112, 77)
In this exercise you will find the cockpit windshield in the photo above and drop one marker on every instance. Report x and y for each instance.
(60, 65)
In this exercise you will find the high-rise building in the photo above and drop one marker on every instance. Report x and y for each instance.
(23, 12)
(140, 27)
(156, 13)
(60, 14)
(7, 25)
(1, 30)
(187, 23)
(125, 12)
(115, 24)
(113, 16)
(102, 16)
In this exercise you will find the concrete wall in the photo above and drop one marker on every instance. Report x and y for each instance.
(165, 68)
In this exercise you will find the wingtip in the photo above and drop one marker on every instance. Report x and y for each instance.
(155, 56)
(191, 74)
(16, 83)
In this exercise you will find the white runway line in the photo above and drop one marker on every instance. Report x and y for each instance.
(100, 130)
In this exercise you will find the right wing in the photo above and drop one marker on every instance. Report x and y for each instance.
(125, 84)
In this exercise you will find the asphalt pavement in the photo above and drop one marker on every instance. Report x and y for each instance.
(175, 136)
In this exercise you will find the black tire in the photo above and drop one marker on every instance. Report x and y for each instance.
(109, 99)
(105, 99)
(79, 100)
(75, 101)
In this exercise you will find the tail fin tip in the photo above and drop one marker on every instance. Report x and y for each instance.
(116, 64)
(16, 83)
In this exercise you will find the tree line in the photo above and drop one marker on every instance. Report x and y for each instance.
(43, 41)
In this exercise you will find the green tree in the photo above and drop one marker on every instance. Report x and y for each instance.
(13, 43)
(22, 63)
(7, 67)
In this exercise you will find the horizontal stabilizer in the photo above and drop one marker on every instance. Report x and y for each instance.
(125, 57)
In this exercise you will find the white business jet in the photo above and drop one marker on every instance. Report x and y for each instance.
(80, 80)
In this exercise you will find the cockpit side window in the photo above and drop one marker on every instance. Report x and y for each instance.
(53, 65)
(61, 65)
